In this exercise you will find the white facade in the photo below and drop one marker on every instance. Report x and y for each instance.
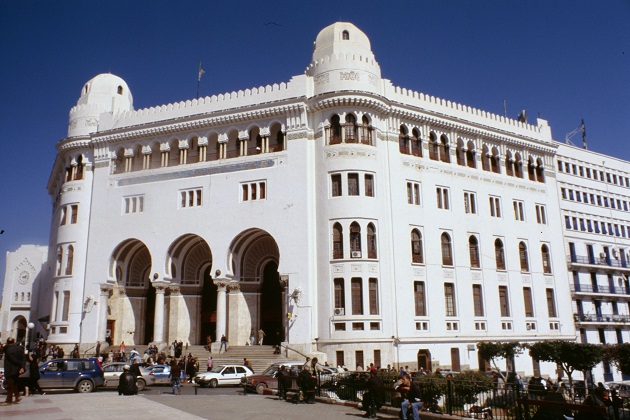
(339, 213)
(594, 193)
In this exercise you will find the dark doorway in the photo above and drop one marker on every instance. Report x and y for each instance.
(271, 305)
(424, 360)
(455, 363)
(208, 309)
(149, 315)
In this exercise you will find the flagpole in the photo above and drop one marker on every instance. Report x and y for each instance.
(201, 71)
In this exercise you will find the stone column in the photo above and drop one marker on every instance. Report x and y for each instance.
(158, 324)
(102, 311)
(221, 307)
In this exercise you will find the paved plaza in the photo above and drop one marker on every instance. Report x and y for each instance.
(166, 406)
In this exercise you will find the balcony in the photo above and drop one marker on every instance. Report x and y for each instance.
(592, 289)
(597, 261)
(601, 318)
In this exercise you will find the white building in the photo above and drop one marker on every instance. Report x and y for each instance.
(341, 214)
(595, 204)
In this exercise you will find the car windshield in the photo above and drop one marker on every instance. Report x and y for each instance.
(271, 370)
(217, 369)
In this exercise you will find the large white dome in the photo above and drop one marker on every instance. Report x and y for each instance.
(103, 93)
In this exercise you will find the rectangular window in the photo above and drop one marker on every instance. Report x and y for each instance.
(369, 185)
(519, 212)
(358, 326)
(551, 304)
(581, 168)
(335, 183)
(353, 184)
(477, 300)
(578, 196)
(420, 298)
(470, 202)
(339, 356)
(64, 210)
(559, 166)
(442, 198)
(377, 359)
(373, 296)
(74, 213)
(495, 206)
(413, 193)
(133, 204)
(340, 294)
(449, 299)
(190, 198)
(563, 192)
(251, 191)
(567, 222)
(529, 304)
(357, 296)
(588, 172)
(541, 214)
(66, 305)
(504, 301)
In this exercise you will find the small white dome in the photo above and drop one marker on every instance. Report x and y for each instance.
(341, 37)
(103, 93)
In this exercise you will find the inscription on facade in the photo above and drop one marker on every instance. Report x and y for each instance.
(349, 75)
(321, 79)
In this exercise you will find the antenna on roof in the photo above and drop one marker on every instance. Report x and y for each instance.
(580, 129)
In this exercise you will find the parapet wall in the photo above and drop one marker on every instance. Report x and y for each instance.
(231, 100)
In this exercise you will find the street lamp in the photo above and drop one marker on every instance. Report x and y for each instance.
(29, 327)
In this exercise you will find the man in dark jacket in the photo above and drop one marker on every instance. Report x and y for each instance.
(412, 397)
(127, 383)
(373, 398)
(13, 368)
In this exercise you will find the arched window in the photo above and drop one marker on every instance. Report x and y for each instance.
(540, 171)
(494, 161)
(366, 131)
(485, 158)
(499, 254)
(345, 35)
(416, 143)
(518, 166)
(416, 247)
(444, 150)
(371, 241)
(59, 259)
(337, 242)
(70, 260)
(120, 90)
(351, 129)
(460, 153)
(447, 251)
(78, 175)
(509, 164)
(522, 253)
(471, 162)
(473, 250)
(546, 259)
(433, 147)
(531, 169)
(355, 238)
(335, 130)
(403, 140)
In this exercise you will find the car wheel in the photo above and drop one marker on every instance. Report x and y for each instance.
(141, 384)
(214, 383)
(85, 386)
(260, 388)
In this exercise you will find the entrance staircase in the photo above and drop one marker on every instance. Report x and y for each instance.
(260, 356)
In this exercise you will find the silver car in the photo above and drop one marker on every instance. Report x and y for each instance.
(115, 369)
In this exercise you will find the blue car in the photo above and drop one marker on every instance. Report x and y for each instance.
(84, 375)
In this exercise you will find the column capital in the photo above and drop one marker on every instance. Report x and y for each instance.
(234, 287)
(160, 285)
(221, 283)
(106, 288)
(175, 289)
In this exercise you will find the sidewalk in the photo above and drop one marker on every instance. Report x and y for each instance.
(112, 406)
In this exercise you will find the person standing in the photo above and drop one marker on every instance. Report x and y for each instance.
(252, 338)
(33, 378)
(209, 363)
(174, 375)
(261, 337)
(224, 343)
(122, 349)
(127, 382)
(248, 364)
(374, 397)
(13, 368)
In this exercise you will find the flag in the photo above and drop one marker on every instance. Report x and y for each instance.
(201, 71)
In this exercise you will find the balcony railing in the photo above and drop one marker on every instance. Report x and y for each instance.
(581, 259)
(590, 288)
(605, 318)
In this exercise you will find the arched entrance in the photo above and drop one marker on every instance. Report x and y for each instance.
(208, 308)
(19, 329)
(424, 359)
(271, 319)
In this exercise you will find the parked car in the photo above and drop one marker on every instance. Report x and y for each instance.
(84, 375)
(268, 379)
(113, 371)
(156, 374)
(622, 388)
(222, 375)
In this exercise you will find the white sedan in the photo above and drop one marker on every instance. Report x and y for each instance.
(222, 375)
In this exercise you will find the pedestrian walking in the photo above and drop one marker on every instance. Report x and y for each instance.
(13, 368)
(248, 364)
(224, 343)
(261, 337)
(252, 338)
(33, 378)
(174, 376)
(209, 363)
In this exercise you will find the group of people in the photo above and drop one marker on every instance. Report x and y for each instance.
(21, 372)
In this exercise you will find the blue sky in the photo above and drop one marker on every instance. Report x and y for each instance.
(562, 60)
